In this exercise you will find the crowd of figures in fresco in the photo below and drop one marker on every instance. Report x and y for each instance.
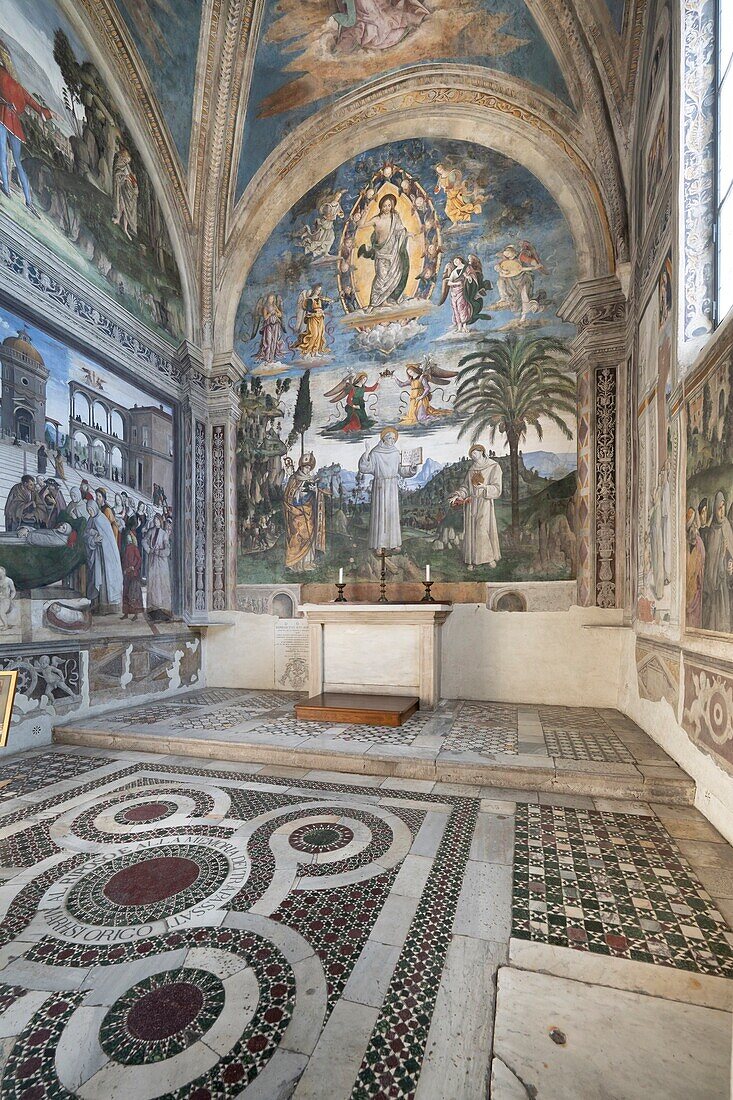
(709, 516)
(120, 549)
(409, 387)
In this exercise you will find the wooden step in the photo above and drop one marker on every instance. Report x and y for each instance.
(372, 710)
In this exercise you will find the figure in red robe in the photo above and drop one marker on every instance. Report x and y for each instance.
(14, 100)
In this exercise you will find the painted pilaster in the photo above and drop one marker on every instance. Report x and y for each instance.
(224, 415)
(597, 308)
(194, 474)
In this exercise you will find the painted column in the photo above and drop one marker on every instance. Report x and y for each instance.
(192, 498)
(598, 308)
(224, 415)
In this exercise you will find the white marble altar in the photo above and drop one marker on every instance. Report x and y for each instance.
(387, 649)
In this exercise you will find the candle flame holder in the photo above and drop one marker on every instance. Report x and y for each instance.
(427, 598)
(341, 598)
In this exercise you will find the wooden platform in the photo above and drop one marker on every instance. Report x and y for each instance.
(371, 710)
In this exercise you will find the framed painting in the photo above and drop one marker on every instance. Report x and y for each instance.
(8, 683)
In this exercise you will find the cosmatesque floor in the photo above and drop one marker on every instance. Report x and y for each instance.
(560, 749)
(208, 929)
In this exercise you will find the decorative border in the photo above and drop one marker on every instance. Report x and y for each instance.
(707, 714)
(584, 488)
(606, 382)
(698, 127)
(26, 272)
(200, 517)
(218, 517)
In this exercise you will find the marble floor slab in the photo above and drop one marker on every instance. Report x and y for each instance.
(194, 929)
(568, 1040)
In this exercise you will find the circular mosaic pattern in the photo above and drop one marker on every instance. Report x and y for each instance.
(141, 887)
(161, 1016)
(145, 812)
(151, 880)
(321, 836)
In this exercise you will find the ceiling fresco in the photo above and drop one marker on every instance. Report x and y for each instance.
(166, 33)
(310, 54)
(616, 9)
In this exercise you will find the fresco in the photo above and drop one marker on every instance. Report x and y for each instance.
(86, 491)
(656, 149)
(616, 11)
(167, 37)
(709, 535)
(72, 177)
(656, 474)
(408, 385)
(308, 55)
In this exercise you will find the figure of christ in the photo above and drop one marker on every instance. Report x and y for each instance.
(476, 497)
(385, 465)
(304, 510)
(388, 249)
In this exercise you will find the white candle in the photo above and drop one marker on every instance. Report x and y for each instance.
(427, 572)
(341, 575)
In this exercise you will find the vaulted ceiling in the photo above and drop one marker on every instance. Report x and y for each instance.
(238, 105)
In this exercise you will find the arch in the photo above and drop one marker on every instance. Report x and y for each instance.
(99, 458)
(440, 102)
(117, 464)
(80, 449)
(81, 406)
(282, 606)
(23, 422)
(117, 425)
(510, 601)
(100, 416)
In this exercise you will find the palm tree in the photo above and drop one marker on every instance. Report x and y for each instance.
(511, 385)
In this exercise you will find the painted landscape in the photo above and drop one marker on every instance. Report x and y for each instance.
(74, 178)
(409, 387)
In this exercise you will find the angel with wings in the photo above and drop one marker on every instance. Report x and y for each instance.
(352, 390)
(269, 324)
(464, 281)
(419, 382)
(310, 323)
(463, 199)
(317, 242)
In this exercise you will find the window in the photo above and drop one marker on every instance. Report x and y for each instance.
(724, 182)
(146, 437)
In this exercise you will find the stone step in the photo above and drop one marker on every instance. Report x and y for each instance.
(542, 774)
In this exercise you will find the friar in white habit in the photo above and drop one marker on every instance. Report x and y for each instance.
(383, 462)
(482, 487)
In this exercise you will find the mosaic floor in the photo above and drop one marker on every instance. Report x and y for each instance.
(222, 930)
(554, 741)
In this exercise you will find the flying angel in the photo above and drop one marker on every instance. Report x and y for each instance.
(464, 281)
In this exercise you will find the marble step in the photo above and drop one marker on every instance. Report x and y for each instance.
(518, 771)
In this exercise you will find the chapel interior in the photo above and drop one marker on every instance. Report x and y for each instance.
(366, 549)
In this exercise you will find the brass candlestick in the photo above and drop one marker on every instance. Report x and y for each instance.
(341, 598)
(427, 598)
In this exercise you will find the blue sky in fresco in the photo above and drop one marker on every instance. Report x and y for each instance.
(169, 47)
(533, 60)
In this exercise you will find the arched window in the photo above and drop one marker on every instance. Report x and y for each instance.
(724, 158)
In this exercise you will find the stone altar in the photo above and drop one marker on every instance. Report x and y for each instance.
(387, 649)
